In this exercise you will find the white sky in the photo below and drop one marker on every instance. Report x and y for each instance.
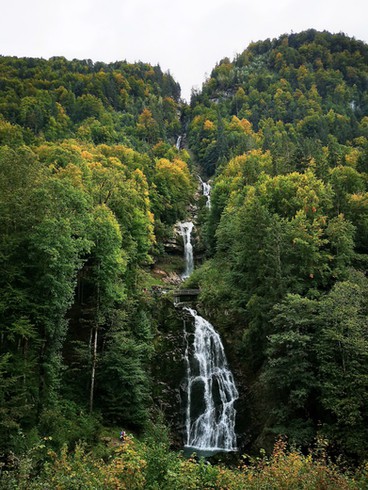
(187, 37)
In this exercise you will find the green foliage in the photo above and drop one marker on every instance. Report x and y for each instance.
(57, 99)
(90, 186)
(342, 355)
(296, 92)
(160, 462)
(276, 238)
(123, 381)
(287, 231)
(174, 187)
(290, 370)
(66, 423)
(77, 229)
(131, 467)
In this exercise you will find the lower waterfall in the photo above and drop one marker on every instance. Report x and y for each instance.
(211, 391)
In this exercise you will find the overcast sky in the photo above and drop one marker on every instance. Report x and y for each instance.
(185, 37)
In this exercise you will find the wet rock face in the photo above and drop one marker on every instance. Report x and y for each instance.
(170, 278)
(174, 245)
(171, 265)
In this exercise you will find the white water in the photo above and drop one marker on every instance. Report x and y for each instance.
(211, 391)
(206, 191)
(178, 142)
(185, 231)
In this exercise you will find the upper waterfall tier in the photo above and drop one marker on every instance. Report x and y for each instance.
(186, 231)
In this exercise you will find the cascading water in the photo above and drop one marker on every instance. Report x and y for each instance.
(178, 142)
(186, 231)
(206, 191)
(211, 392)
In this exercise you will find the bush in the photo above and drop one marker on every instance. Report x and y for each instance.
(151, 465)
(67, 423)
(161, 463)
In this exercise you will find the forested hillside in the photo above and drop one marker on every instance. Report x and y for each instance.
(282, 131)
(92, 184)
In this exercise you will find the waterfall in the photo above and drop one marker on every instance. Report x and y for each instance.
(185, 231)
(211, 391)
(206, 191)
(178, 142)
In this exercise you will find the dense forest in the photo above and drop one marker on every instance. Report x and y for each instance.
(284, 129)
(92, 184)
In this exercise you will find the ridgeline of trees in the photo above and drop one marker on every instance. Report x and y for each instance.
(91, 185)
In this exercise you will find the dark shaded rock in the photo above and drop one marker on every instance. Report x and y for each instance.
(168, 367)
